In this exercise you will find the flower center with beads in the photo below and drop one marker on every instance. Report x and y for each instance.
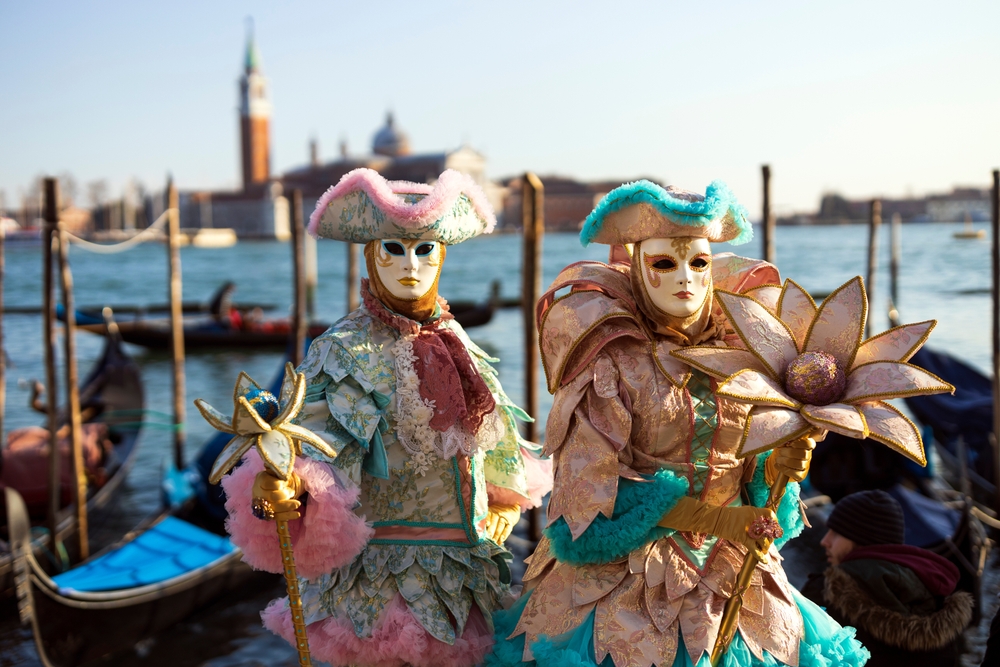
(815, 378)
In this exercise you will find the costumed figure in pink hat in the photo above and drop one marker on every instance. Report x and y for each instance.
(398, 538)
(653, 510)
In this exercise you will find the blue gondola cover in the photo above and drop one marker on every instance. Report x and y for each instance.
(169, 549)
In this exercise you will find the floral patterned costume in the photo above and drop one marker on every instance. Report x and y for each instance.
(392, 550)
(633, 430)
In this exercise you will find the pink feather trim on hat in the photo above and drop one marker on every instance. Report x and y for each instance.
(385, 194)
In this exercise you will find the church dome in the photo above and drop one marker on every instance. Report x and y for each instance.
(390, 140)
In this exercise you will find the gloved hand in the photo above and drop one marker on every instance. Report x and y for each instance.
(729, 523)
(792, 459)
(501, 521)
(279, 494)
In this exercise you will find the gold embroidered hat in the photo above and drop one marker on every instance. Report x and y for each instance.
(365, 207)
(643, 210)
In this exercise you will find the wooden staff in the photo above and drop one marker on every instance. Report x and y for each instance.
(176, 319)
(299, 280)
(51, 213)
(768, 216)
(73, 396)
(353, 293)
(533, 221)
(874, 223)
(996, 333)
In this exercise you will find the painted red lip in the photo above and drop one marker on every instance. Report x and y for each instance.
(683, 295)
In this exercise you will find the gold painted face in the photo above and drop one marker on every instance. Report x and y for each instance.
(408, 269)
(677, 273)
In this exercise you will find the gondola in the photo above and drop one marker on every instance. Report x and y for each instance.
(114, 390)
(206, 333)
(172, 564)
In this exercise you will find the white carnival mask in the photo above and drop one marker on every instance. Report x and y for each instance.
(677, 273)
(408, 269)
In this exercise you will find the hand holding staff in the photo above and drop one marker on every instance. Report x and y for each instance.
(263, 421)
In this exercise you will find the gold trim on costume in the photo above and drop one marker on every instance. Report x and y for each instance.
(739, 332)
(861, 327)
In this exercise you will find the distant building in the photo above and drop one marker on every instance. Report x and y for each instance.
(960, 204)
(392, 157)
(255, 121)
(568, 202)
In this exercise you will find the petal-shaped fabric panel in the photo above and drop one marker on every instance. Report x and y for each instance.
(768, 427)
(761, 332)
(288, 384)
(230, 456)
(719, 362)
(890, 427)
(767, 295)
(837, 417)
(796, 309)
(756, 388)
(303, 434)
(881, 380)
(276, 450)
(243, 384)
(676, 371)
(246, 420)
(216, 419)
(840, 323)
(291, 400)
(896, 344)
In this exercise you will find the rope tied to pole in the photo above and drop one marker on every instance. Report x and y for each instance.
(115, 248)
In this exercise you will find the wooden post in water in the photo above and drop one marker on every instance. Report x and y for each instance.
(299, 280)
(176, 319)
(533, 221)
(3, 354)
(353, 291)
(312, 277)
(996, 332)
(73, 396)
(768, 216)
(896, 253)
(51, 214)
(874, 223)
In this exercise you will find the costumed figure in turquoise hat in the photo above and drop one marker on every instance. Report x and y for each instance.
(398, 539)
(653, 510)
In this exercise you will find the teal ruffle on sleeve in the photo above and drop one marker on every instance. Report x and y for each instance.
(639, 506)
(789, 514)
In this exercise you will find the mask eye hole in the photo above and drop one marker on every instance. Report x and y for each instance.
(424, 249)
(699, 263)
(393, 248)
(665, 264)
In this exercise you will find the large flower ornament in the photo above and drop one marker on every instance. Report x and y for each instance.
(807, 367)
(261, 419)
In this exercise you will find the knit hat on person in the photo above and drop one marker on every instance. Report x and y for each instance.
(867, 518)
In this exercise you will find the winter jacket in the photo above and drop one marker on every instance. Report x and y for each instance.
(901, 600)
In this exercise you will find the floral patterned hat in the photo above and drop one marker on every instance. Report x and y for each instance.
(643, 210)
(365, 207)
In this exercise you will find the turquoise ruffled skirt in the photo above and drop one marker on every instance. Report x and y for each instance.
(826, 644)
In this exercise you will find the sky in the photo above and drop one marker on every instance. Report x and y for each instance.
(861, 98)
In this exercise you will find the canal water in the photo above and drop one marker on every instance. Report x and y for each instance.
(941, 278)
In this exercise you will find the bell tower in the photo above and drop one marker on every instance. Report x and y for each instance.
(255, 118)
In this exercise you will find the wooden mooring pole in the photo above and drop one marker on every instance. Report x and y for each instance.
(3, 355)
(73, 395)
(895, 256)
(996, 333)
(533, 220)
(353, 290)
(51, 214)
(312, 277)
(299, 280)
(768, 216)
(176, 318)
(874, 224)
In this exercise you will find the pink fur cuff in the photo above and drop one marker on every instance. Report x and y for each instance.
(328, 535)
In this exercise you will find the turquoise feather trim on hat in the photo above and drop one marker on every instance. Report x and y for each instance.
(643, 210)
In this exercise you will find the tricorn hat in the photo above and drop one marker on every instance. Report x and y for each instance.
(365, 207)
(643, 210)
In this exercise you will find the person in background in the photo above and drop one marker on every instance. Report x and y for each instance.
(901, 599)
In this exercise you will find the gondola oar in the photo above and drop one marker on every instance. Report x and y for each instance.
(260, 419)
